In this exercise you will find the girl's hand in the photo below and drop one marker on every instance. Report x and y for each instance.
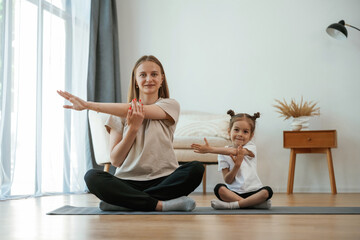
(198, 148)
(135, 115)
(77, 103)
(239, 156)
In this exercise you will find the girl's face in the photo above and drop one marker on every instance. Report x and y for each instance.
(149, 78)
(240, 133)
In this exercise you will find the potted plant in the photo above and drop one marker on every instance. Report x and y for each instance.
(300, 112)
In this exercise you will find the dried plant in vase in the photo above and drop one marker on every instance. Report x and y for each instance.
(299, 111)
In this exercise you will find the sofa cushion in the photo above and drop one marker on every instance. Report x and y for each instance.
(184, 142)
(187, 155)
(199, 124)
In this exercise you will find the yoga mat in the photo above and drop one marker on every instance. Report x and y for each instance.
(71, 210)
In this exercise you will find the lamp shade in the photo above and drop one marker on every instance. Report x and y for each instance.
(337, 30)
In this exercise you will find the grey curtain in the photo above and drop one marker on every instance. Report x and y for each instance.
(104, 66)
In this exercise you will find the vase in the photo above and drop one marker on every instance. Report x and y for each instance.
(300, 123)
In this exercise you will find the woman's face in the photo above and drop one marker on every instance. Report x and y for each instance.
(149, 78)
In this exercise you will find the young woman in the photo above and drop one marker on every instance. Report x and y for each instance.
(148, 176)
(243, 188)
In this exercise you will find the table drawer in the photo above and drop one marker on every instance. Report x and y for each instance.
(310, 139)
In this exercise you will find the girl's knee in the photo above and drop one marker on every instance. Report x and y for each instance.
(267, 192)
(264, 194)
(217, 187)
(219, 190)
(223, 190)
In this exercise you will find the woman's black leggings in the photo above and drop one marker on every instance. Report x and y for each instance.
(243, 195)
(144, 195)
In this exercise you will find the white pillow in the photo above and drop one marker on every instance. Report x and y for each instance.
(199, 124)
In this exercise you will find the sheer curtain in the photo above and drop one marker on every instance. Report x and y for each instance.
(44, 47)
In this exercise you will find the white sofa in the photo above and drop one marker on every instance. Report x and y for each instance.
(192, 127)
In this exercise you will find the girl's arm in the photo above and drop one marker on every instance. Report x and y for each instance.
(248, 152)
(117, 109)
(119, 146)
(206, 148)
(229, 176)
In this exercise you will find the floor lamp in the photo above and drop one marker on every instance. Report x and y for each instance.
(338, 30)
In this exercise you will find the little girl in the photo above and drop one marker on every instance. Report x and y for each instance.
(243, 188)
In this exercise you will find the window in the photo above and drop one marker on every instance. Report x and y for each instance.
(2, 33)
(37, 49)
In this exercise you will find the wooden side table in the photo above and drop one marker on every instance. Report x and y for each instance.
(310, 142)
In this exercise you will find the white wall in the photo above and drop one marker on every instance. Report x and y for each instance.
(242, 55)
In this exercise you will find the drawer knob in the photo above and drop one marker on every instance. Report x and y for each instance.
(309, 139)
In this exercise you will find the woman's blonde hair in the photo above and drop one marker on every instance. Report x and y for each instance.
(134, 91)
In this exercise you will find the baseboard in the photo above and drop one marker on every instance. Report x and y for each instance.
(308, 189)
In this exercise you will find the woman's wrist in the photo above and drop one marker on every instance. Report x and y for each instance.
(132, 129)
(91, 106)
(88, 105)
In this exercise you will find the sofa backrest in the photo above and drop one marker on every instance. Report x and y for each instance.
(202, 124)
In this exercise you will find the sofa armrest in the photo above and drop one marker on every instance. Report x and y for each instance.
(100, 137)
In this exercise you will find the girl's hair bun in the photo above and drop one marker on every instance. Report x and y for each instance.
(231, 113)
(256, 115)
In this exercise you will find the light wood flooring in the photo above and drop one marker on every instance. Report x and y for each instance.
(27, 219)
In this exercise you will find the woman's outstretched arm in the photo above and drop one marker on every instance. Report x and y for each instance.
(78, 104)
(117, 109)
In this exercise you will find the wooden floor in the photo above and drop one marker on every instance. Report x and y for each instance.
(27, 219)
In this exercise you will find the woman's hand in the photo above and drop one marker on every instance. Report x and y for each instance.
(135, 115)
(77, 103)
(198, 148)
(239, 156)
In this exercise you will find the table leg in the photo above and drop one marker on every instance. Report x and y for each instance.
(331, 171)
(291, 171)
(204, 180)
(107, 167)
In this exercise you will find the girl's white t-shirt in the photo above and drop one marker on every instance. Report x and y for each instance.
(152, 154)
(246, 179)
